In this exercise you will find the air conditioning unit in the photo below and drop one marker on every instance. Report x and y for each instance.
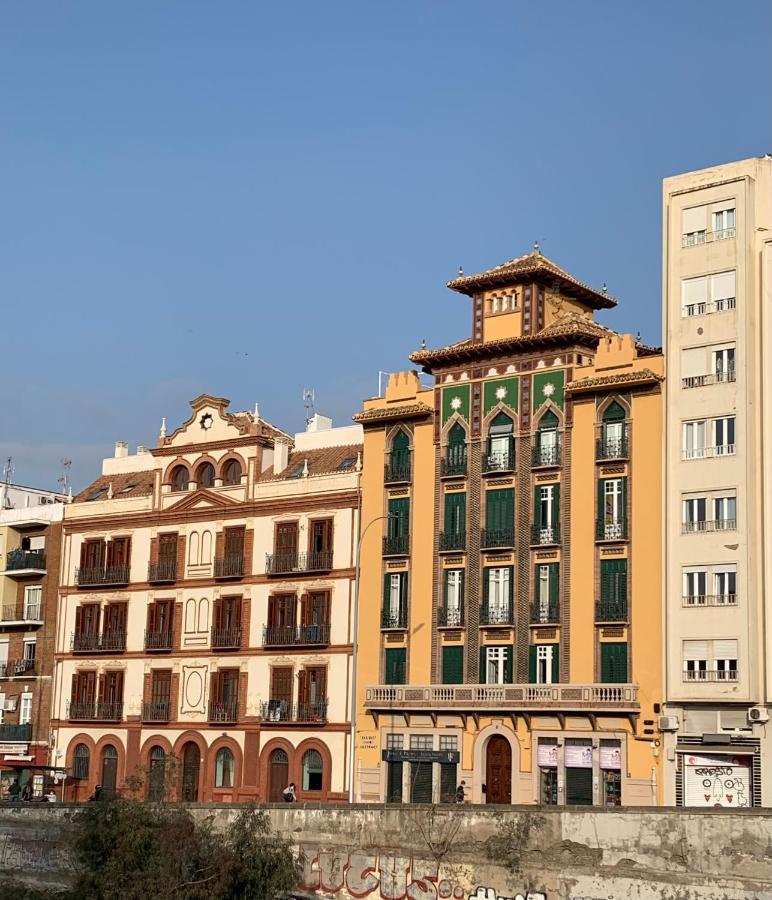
(668, 723)
(10, 705)
(758, 714)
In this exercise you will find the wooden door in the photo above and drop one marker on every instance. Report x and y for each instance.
(498, 770)
(321, 535)
(280, 703)
(109, 769)
(278, 776)
(191, 763)
(234, 542)
(287, 539)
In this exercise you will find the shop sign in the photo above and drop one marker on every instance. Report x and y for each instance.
(13, 748)
(578, 757)
(434, 756)
(547, 755)
(610, 758)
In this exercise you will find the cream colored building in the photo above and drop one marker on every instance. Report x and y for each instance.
(717, 227)
(205, 612)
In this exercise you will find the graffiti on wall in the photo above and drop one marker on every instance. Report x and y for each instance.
(388, 877)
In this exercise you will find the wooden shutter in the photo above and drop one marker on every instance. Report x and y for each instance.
(161, 686)
(508, 664)
(83, 554)
(452, 665)
(167, 548)
(623, 500)
(304, 685)
(78, 620)
(532, 664)
(399, 510)
(90, 681)
(537, 507)
(321, 535)
(554, 583)
(234, 541)
(318, 676)
(613, 661)
(499, 509)
(151, 617)
(601, 501)
(386, 591)
(273, 607)
(486, 587)
(556, 505)
(286, 538)
(118, 552)
(101, 689)
(555, 663)
(74, 689)
(281, 683)
(217, 617)
(305, 607)
(483, 667)
(455, 513)
(394, 665)
(403, 578)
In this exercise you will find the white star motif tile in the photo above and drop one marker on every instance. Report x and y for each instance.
(455, 403)
(549, 389)
(501, 392)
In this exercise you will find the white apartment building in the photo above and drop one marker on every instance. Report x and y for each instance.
(717, 235)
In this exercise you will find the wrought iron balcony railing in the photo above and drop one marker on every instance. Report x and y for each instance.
(547, 456)
(95, 711)
(611, 611)
(159, 640)
(296, 635)
(611, 530)
(93, 642)
(396, 545)
(282, 711)
(452, 540)
(709, 525)
(226, 638)
(454, 463)
(706, 307)
(91, 576)
(162, 572)
(25, 559)
(20, 733)
(720, 377)
(393, 618)
(545, 613)
(612, 448)
(696, 238)
(709, 600)
(10, 613)
(500, 460)
(710, 675)
(450, 616)
(496, 615)
(397, 470)
(497, 537)
(10, 668)
(224, 711)
(545, 535)
(156, 711)
(229, 566)
(287, 563)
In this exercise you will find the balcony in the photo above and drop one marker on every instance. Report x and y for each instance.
(397, 470)
(481, 698)
(698, 238)
(692, 600)
(708, 525)
(612, 448)
(229, 566)
(611, 611)
(709, 452)
(450, 617)
(711, 675)
(547, 457)
(30, 614)
(545, 535)
(453, 465)
(20, 733)
(162, 572)
(21, 563)
(497, 537)
(156, 711)
(452, 540)
(293, 563)
(226, 638)
(611, 531)
(287, 713)
(496, 615)
(225, 712)
(393, 619)
(95, 712)
(545, 613)
(396, 545)
(500, 460)
(107, 642)
(159, 640)
(296, 635)
(694, 381)
(706, 307)
(12, 668)
(101, 576)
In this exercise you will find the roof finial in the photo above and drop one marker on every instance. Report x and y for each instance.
(305, 468)
(638, 338)
(163, 428)
(358, 466)
(460, 271)
(257, 410)
(423, 344)
(110, 491)
(605, 288)
(536, 249)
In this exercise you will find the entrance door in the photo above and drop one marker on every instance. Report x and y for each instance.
(109, 769)
(498, 771)
(278, 776)
(191, 763)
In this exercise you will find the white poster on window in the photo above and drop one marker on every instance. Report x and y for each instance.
(548, 755)
(610, 758)
(717, 779)
(578, 757)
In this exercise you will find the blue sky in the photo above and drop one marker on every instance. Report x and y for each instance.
(249, 198)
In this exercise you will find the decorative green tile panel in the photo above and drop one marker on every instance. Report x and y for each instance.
(501, 390)
(548, 386)
(455, 399)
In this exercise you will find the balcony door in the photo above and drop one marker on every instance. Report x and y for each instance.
(280, 702)
(278, 776)
(191, 765)
(83, 688)
(92, 555)
(118, 552)
(313, 691)
(498, 770)
(227, 614)
(315, 615)
(287, 544)
(320, 538)
(109, 769)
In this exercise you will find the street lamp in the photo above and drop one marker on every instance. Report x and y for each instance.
(353, 710)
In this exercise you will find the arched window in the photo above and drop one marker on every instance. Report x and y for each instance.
(455, 464)
(398, 468)
(205, 475)
(501, 444)
(614, 433)
(179, 478)
(312, 770)
(547, 450)
(155, 781)
(80, 762)
(232, 472)
(223, 775)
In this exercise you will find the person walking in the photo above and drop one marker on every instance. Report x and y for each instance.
(461, 792)
(14, 791)
(26, 793)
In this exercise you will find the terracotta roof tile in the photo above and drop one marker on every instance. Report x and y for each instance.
(381, 414)
(320, 462)
(623, 379)
(134, 484)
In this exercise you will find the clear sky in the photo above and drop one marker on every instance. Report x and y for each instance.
(248, 198)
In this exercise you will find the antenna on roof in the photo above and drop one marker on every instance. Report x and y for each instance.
(7, 473)
(64, 478)
(308, 403)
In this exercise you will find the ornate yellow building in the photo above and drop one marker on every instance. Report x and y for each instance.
(510, 614)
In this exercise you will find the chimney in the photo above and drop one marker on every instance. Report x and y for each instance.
(280, 455)
(121, 449)
(141, 448)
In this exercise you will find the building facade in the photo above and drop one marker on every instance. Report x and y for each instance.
(509, 617)
(30, 536)
(204, 631)
(717, 313)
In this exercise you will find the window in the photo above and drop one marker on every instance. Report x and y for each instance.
(454, 597)
(232, 472)
(708, 294)
(421, 742)
(452, 664)
(613, 591)
(611, 772)
(613, 663)
(394, 668)
(543, 664)
(547, 758)
(25, 708)
(497, 595)
(33, 594)
(448, 742)
(696, 660)
(724, 435)
(80, 762)
(455, 463)
(30, 647)
(205, 475)
(694, 226)
(547, 506)
(723, 221)
(155, 782)
(398, 527)
(725, 585)
(398, 467)
(725, 512)
(695, 586)
(694, 514)
(179, 478)
(223, 777)
(499, 517)
(395, 741)
(705, 660)
(547, 581)
(312, 770)
(347, 463)
(547, 453)
(455, 513)
(394, 613)
(694, 438)
(721, 432)
(320, 538)
(725, 658)
(724, 364)
(612, 494)
(501, 447)
(496, 664)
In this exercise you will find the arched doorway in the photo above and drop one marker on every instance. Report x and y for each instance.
(109, 769)
(498, 770)
(278, 775)
(191, 765)
(155, 782)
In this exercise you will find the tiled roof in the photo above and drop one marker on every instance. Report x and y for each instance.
(534, 266)
(623, 379)
(320, 462)
(134, 484)
(382, 414)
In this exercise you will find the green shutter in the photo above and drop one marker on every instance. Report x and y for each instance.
(482, 666)
(613, 663)
(556, 505)
(601, 508)
(500, 510)
(554, 583)
(455, 513)
(536, 507)
(394, 667)
(399, 510)
(401, 441)
(508, 665)
(623, 499)
(485, 574)
(532, 664)
(613, 581)
(511, 594)
(452, 665)
(386, 591)
(555, 663)
(403, 576)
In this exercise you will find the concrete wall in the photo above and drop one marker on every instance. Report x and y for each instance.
(474, 853)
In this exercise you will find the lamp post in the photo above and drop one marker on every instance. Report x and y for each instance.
(355, 648)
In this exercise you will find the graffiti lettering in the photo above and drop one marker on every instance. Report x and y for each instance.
(714, 770)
